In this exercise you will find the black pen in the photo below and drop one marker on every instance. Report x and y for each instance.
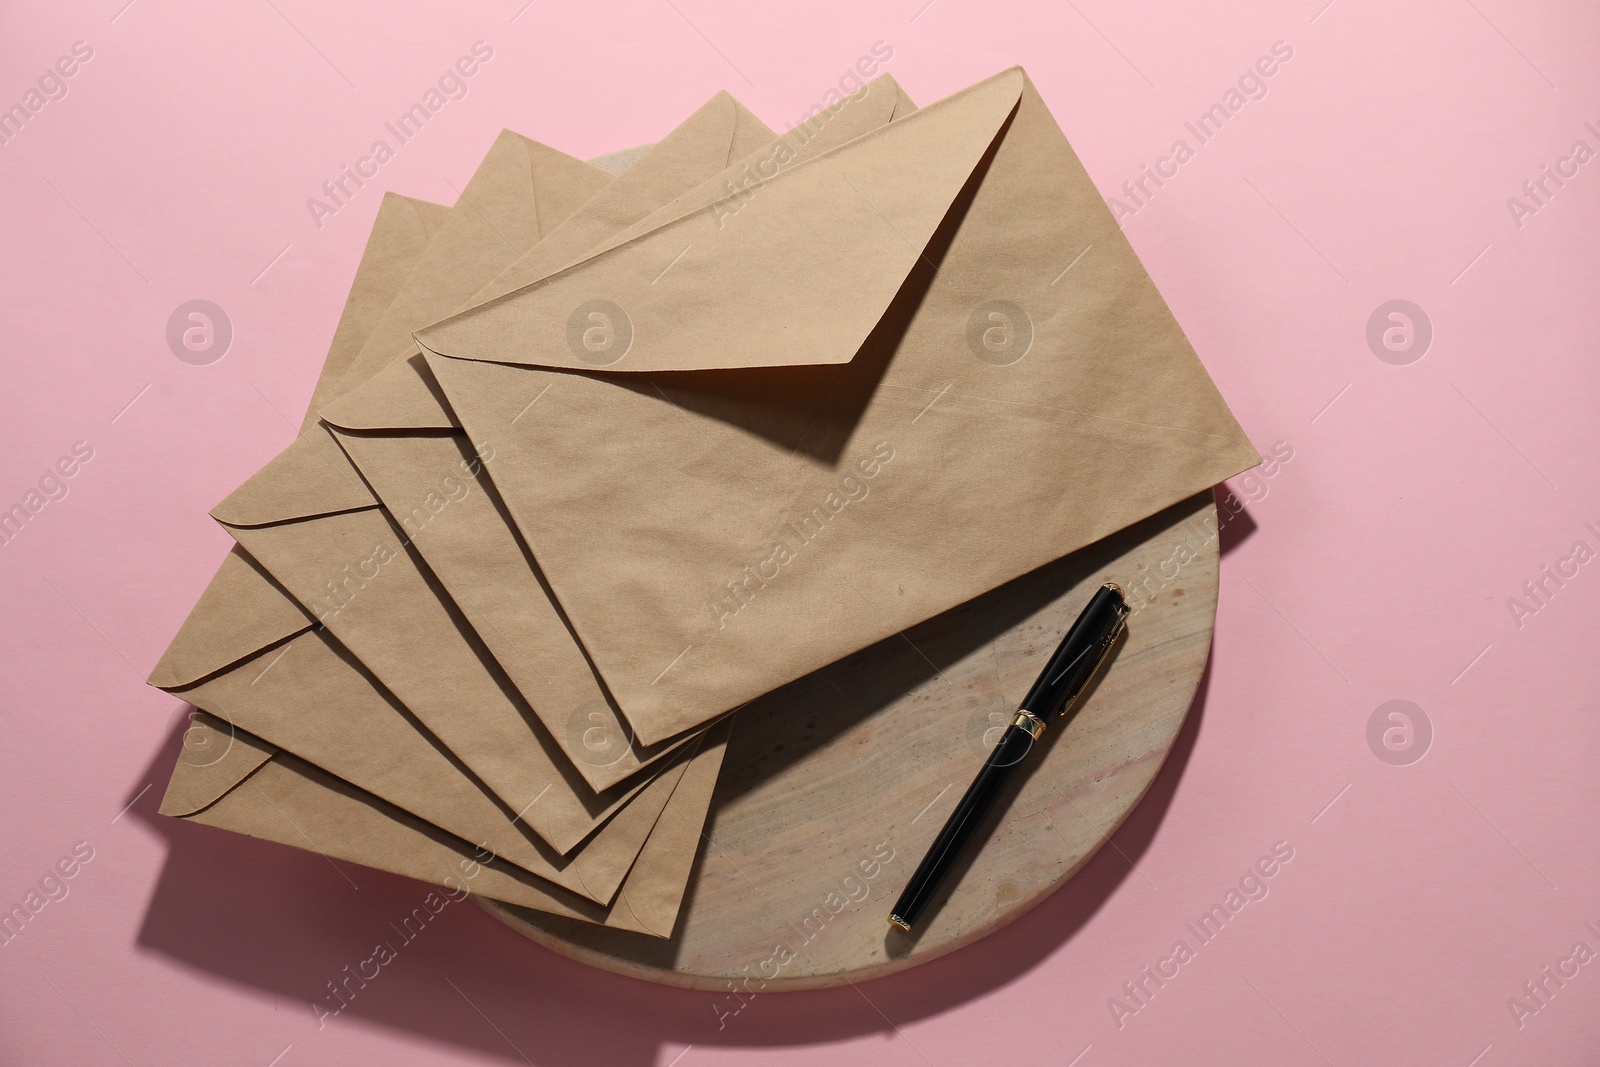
(1068, 673)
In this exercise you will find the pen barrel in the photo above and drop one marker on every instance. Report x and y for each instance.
(1014, 744)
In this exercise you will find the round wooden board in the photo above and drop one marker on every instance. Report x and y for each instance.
(834, 786)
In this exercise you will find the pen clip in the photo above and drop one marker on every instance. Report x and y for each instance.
(1112, 633)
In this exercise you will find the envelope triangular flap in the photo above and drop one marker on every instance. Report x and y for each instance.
(653, 907)
(216, 634)
(403, 396)
(399, 237)
(800, 275)
(294, 803)
(310, 477)
(561, 185)
(496, 208)
(517, 191)
(871, 107)
(904, 105)
(216, 757)
(721, 130)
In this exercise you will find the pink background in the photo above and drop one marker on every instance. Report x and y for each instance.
(1376, 566)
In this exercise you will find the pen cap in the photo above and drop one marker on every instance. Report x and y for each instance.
(1079, 654)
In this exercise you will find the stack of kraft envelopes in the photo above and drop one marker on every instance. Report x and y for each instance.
(604, 452)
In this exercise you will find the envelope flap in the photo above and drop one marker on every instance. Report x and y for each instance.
(720, 131)
(561, 185)
(498, 207)
(240, 613)
(400, 236)
(216, 757)
(402, 396)
(872, 106)
(518, 192)
(798, 271)
(310, 477)
(904, 105)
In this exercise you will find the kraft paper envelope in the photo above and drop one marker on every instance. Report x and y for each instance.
(875, 104)
(228, 779)
(231, 780)
(407, 437)
(487, 238)
(434, 488)
(866, 389)
(400, 235)
(233, 666)
(653, 893)
(309, 520)
(325, 707)
(244, 627)
(347, 565)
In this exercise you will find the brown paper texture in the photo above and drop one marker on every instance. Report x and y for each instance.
(436, 486)
(868, 395)
(400, 236)
(231, 653)
(372, 593)
(311, 523)
(228, 779)
(360, 735)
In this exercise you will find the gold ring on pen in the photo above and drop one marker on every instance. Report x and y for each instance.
(1029, 722)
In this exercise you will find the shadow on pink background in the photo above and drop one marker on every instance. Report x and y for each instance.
(1430, 880)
